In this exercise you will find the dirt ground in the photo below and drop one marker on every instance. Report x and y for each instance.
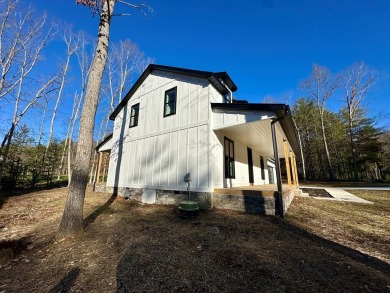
(130, 247)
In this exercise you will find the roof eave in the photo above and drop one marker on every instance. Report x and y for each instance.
(212, 77)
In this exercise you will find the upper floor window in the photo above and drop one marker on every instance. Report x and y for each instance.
(170, 102)
(134, 115)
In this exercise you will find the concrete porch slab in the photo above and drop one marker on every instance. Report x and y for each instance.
(340, 194)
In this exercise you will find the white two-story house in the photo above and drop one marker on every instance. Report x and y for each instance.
(176, 121)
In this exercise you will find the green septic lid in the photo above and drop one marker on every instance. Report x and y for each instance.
(189, 205)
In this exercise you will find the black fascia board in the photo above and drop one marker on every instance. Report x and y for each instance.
(212, 77)
(107, 138)
(280, 110)
(251, 107)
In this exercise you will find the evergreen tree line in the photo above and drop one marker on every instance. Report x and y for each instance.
(342, 145)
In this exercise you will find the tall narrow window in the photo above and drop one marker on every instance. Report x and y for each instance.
(262, 168)
(170, 102)
(229, 158)
(134, 115)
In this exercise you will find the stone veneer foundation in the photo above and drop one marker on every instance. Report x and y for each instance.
(248, 201)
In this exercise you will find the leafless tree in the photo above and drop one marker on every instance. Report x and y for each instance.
(320, 86)
(84, 63)
(23, 36)
(43, 91)
(72, 44)
(72, 219)
(68, 139)
(356, 81)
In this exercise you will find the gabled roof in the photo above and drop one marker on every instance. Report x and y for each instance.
(220, 80)
(281, 111)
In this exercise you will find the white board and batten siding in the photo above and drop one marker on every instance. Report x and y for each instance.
(160, 151)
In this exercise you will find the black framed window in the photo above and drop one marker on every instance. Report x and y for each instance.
(262, 168)
(134, 115)
(229, 158)
(170, 102)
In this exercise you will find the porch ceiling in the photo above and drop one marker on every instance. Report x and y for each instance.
(257, 135)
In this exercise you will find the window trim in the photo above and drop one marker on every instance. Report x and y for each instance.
(134, 113)
(165, 102)
(228, 160)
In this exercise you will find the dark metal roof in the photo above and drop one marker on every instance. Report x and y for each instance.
(281, 110)
(219, 80)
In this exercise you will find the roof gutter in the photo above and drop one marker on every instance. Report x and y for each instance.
(277, 164)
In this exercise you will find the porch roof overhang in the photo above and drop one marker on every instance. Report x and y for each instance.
(254, 127)
(105, 144)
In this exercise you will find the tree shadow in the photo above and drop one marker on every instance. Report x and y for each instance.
(356, 255)
(285, 257)
(66, 283)
(17, 246)
(92, 217)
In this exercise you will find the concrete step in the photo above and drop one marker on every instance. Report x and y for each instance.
(299, 192)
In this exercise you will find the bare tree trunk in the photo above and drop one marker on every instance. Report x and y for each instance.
(70, 161)
(353, 151)
(71, 49)
(300, 150)
(356, 80)
(72, 219)
(328, 160)
(5, 149)
(91, 174)
(69, 132)
(36, 169)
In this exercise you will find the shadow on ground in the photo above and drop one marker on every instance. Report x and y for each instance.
(66, 283)
(219, 253)
(92, 217)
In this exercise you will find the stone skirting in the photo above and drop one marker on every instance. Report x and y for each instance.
(253, 202)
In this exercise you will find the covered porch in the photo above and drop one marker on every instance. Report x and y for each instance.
(259, 131)
(103, 150)
(264, 130)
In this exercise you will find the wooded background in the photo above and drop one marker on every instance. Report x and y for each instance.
(40, 100)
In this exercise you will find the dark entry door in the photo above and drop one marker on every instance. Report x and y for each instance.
(250, 166)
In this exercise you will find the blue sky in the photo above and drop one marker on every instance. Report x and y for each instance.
(266, 46)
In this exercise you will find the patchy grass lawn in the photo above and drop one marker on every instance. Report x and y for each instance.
(320, 246)
(363, 227)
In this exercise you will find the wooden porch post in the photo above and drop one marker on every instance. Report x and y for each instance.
(294, 169)
(99, 166)
(287, 162)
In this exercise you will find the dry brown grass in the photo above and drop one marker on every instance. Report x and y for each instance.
(128, 247)
(363, 227)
